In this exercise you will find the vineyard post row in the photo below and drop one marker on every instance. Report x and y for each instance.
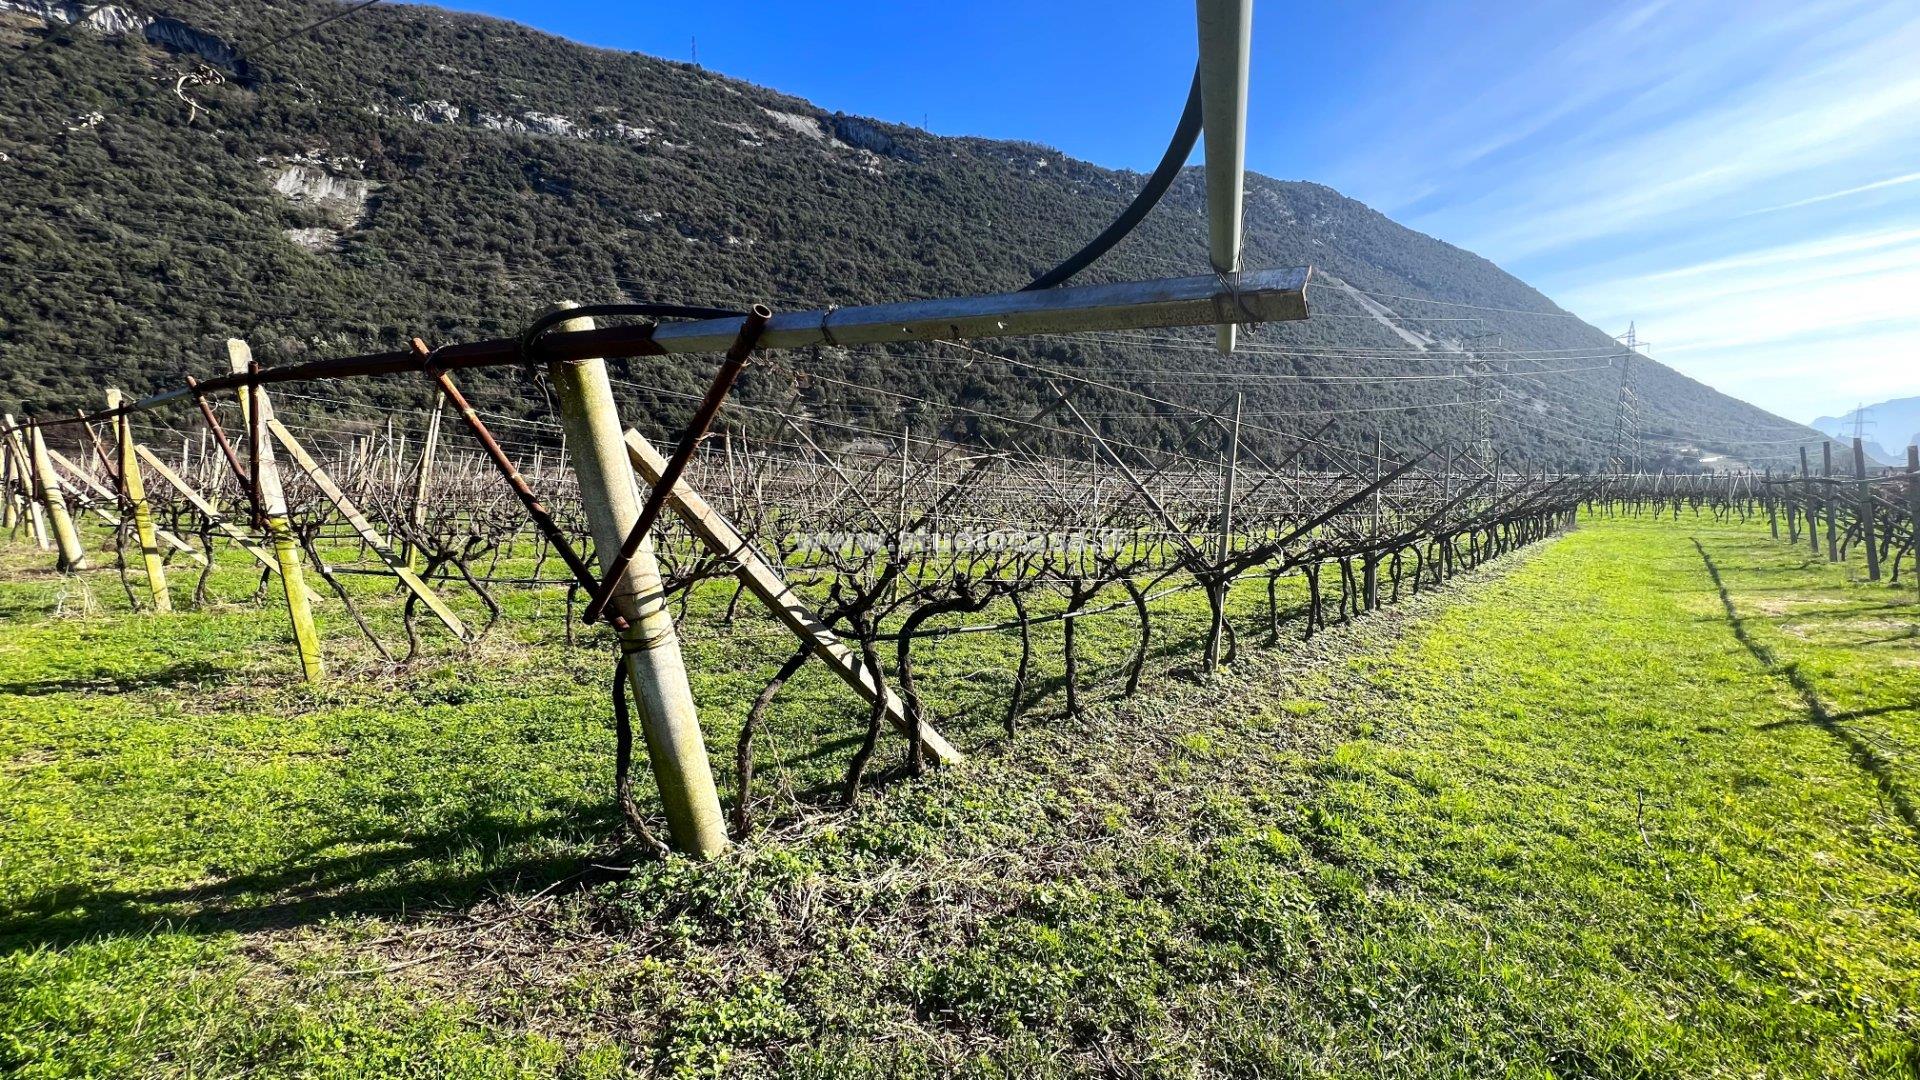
(1347, 517)
(1877, 513)
(600, 449)
(574, 354)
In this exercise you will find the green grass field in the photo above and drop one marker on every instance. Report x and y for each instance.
(1635, 802)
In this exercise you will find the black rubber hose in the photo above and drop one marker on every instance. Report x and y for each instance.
(1186, 135)
(1181, 148)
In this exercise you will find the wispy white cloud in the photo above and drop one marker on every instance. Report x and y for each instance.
(1858, 189)
(1735, 175)
(1802, 328)
(1695, 168)
(1804, 256)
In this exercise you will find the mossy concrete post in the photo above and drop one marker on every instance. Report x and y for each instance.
(72, 556)
(1865, 511)
(273, 506)
(133, 487)
(650, 644)
(29, 491)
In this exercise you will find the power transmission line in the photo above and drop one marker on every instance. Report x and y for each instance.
(312, 26)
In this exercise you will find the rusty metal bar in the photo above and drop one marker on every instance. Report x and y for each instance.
(537, 510)
(219, 433)
(227, 450)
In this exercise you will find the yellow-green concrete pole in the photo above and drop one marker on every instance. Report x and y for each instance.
(29, 491)
(72, 555)
(134, 487)
(655, 668)
(273, 505)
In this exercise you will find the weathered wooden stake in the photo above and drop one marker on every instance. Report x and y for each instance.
(1372, 559)
(1223, 546)
(1813, 512)
(900, 500)
(7, 474)
(1773, 509)
(423, 484)
(1913, 504)
(1828, 502)
(1865, 511)
(133, 488)
(273, 506)
(72, 556)
(651, 645)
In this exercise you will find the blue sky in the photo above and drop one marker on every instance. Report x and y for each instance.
(1741, 177)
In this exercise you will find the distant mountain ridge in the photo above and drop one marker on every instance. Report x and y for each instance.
(414, 171)
(1889, 427)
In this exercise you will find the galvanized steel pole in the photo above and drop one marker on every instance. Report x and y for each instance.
(1226, 37)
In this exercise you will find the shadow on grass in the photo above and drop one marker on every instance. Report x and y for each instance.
(1862, 752)
(1843, 612)
(405, 872)
(1857, 714)
(186, 673)
(1905, 635)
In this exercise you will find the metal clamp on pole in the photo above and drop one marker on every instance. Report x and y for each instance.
(750, 330)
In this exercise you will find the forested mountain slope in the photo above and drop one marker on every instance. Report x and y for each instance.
(409, 171)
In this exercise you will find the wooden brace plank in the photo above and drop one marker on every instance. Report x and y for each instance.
(366, 530)
(212, 515)
(92, 485)
(765, 582)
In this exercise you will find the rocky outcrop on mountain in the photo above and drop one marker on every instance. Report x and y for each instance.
(341, 198)
(114, 20)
